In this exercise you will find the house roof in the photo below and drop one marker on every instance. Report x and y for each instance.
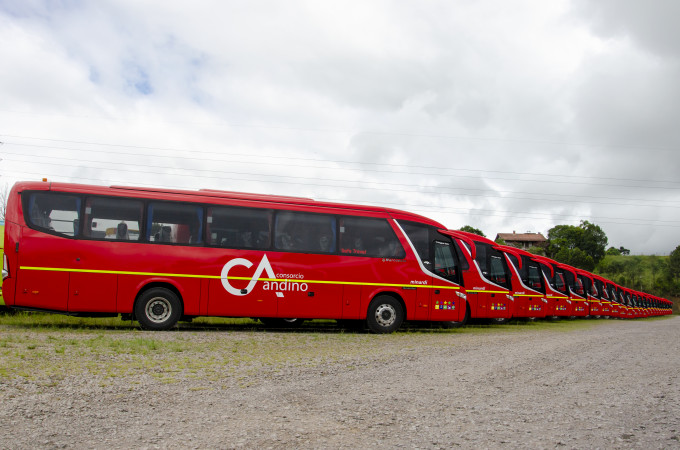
(522, 237)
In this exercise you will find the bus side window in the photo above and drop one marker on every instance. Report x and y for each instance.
(175, 223)
(239, 227)
(305, 232)
(113, 218)
(366, 236)
(52, 212)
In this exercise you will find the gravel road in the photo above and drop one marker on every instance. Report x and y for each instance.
(612, 384)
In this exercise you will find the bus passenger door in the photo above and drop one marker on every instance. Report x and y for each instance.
(445, 305)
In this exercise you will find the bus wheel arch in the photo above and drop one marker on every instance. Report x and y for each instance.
(158, 306)
(386, 312)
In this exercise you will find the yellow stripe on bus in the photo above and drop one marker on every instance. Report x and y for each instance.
(488, 292)
(217, 277)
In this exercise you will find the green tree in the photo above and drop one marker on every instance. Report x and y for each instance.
(587, 237)
(471, 229)
(576, 257)
(613, 251)
(500, 241)
(674, 262)
(624, 251)
(536, 250)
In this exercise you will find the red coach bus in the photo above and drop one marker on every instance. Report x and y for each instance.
(557, 291)
(488, 280)
(160, 256)
(594, 306)
(602, 295)
(528, 283)
(577, 291)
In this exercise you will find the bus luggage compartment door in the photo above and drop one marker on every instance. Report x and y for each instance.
(42, 289)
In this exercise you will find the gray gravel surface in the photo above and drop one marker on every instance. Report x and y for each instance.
(612, 384)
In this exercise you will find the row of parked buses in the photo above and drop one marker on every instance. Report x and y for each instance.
(160, 256)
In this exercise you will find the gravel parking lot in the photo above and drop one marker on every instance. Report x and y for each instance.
(606, 384)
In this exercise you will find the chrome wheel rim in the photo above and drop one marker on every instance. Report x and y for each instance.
(158, 309)
(385, 315)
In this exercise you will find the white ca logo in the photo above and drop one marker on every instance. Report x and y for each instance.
(264, 266)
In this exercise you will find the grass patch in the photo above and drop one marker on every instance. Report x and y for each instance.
(48, 349)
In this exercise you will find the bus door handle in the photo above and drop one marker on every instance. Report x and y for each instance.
(493, 295)
(310, 294)
(436, 291)
(244, 291)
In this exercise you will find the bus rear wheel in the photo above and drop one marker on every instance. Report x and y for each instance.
(385, 314)
(158, 309)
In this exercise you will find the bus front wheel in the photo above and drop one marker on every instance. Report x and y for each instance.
(158, 309)
(385, 314)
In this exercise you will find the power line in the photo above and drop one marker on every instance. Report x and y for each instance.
(483, 171)
(662, 202)
(377, 133)
(392, 187)
(513, 214)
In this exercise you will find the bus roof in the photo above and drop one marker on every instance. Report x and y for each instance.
(204, 196)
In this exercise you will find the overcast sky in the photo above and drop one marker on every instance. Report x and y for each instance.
(504, 115)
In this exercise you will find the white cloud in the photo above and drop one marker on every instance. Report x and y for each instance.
(503, 116)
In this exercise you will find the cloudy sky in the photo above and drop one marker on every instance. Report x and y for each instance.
(502, 115)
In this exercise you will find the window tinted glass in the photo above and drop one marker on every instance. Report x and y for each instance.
(113, 218)
(463, 262)
(304, 232)
(54, 213)
(480, 257)
(560, 283)
(444, 261)
(363, 236)
(534, 279)
(174, 223)
(497, 272)
(419, 235)
(239, 227)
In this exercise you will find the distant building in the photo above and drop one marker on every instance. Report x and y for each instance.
(523, 240)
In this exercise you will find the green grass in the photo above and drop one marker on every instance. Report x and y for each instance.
(47, 349)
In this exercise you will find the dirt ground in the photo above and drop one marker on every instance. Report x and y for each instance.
(613, 384)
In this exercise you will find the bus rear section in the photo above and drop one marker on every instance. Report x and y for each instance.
(488, 279)
(161, 255)
(528, 287)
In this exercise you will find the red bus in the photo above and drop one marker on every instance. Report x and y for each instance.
(594, 307)
(577, 291)
(488, 280)
(557, 291)
(602, 295)
(528, 283)
(159, 256)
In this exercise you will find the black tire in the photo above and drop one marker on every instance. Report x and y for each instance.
(461, 323)
(385, 314)
(499, 320)
(158, 309)
(281, 323)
